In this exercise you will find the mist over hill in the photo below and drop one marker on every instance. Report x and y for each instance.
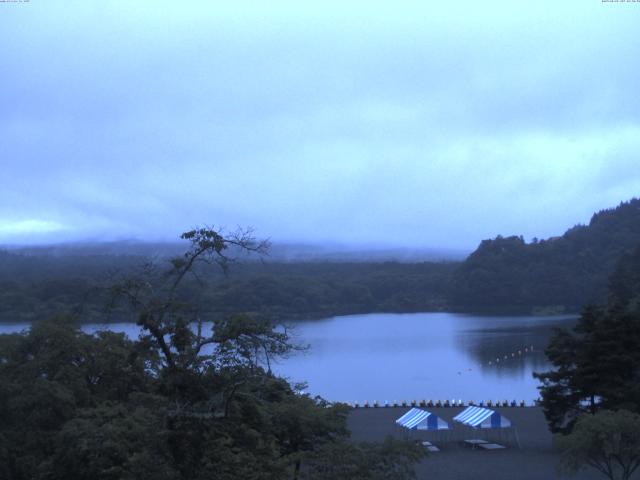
(278, 251)
(503, 275)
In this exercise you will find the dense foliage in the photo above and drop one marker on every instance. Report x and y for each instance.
(597, 364)
(79, 406)
(33, 287)
(607, 441)
(554, 275)
(177, 403)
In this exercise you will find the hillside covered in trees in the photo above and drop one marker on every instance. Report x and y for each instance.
(34, 287)
(559, 274)
(503, 275)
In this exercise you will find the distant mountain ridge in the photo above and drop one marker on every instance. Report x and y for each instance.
(554, 275)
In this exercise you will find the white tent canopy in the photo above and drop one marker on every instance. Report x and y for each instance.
(419, 419)
(479, 417)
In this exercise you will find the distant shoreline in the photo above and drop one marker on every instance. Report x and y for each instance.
(479, 313)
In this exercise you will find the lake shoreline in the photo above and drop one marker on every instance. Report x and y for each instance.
(550, 311)
(403, 357)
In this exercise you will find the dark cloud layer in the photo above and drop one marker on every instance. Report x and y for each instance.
(347, 121)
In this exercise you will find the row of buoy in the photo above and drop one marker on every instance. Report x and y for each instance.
(439, 403)
(517, 354)
(503, 359)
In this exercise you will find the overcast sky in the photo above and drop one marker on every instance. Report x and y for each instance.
(389, 123)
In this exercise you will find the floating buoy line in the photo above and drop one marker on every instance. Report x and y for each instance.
(513, 355)
(502, 359)
(496, 362)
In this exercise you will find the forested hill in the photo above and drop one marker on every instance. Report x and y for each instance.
(504, 275)
(36, 287)
(554, 275)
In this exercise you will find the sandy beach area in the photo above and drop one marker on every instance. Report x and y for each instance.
(534, 460)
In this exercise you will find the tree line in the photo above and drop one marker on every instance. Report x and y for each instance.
(503, 275)
(33, 288)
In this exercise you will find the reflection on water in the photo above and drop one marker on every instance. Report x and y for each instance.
(521, 339)
(389, 357)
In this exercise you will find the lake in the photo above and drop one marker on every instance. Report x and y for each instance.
(396, 357)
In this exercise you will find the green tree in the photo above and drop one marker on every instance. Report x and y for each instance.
(52, 376)
(597, 363)
(365, 461)
(607, 441)
(303, 424)
(178, 403)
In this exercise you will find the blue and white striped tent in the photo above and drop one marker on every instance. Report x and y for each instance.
(479, 417)
(419, 419)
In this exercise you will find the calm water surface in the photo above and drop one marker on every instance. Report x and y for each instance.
(389, 357)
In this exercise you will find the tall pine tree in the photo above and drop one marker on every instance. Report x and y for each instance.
(597, 364)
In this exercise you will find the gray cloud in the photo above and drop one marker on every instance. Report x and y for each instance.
(417, 126)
